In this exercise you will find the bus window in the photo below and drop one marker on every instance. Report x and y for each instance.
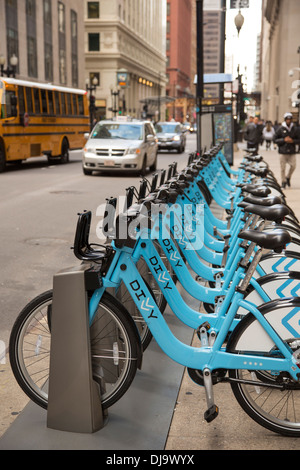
(69, 104)
(80, 104)
(63, 103)
(50, 102)
(10, 101)
(44, 102)
(57, 104)
(36, 94)
(75, 104)
(29, 100)
(21, 100)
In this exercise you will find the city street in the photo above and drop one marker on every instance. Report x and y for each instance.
(36, 234)
(38, 212)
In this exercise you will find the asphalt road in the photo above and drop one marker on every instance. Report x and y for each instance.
(38, 215)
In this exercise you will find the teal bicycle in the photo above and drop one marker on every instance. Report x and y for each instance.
(260, 360)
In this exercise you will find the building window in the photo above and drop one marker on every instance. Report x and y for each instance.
(48, 48)
(31, 38)
(94, 42)
(93, 10)
(31, 57)
(12, 35)
(62, 43)
(62, 67)
(47, 13)
(61, 18)
(30, 8)
(74, 44)
(168, 8)
(48, 62)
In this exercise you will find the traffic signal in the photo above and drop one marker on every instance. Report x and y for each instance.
(92, 102)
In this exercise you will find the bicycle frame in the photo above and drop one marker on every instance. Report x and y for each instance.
(124, 269)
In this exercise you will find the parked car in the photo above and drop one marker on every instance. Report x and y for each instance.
(129, 145)
(171, 136)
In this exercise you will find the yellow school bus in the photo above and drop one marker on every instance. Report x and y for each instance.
(40, 119)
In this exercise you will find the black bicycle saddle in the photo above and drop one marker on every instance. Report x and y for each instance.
(275, 213)
(273, 240)
(262, 201)
(256, 190)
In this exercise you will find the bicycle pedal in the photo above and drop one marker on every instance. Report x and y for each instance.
(211, 413)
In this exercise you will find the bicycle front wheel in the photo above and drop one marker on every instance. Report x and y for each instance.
(270, 398)
(114, 349)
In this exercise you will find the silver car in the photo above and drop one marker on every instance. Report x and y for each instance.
(129, 145)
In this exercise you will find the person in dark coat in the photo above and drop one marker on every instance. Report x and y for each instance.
(253, 134)
(287, 137)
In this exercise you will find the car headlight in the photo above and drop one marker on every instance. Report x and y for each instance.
(132, 150)
(89, 150)
(176, 138)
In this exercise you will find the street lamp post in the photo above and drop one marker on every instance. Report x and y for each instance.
(239, 21)
(91, 88)
(159, 96)
(199, 85)
(115, 92)
(10, 70)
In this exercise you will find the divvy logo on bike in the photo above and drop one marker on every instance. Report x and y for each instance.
(183, 222)
(283, 264)
(2, 352)
(292, 322)
(289, 288)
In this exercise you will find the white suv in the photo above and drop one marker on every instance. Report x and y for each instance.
(129, 145)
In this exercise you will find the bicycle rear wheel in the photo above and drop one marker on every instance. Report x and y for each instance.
(115, 347)
(272, 399)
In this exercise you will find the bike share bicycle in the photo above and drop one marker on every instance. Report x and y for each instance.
(258, 346)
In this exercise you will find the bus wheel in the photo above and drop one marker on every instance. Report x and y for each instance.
(64, 157)
(2, 159)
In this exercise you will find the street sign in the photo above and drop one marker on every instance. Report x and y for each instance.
(239, 3)
(122, 78)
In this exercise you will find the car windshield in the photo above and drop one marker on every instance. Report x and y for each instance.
(117, 131)
(170, 128)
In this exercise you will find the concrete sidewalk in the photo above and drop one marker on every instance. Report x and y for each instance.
(175, 405)
(232, 429)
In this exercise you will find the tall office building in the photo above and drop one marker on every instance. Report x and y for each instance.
(45, 37)
(213, 45)
(125, 42)
(179, 46)
(280, 49)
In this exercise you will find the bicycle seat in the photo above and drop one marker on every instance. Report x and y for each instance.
(257, 171)
(254, 158)
(256, 190)
(185, 177)
(275, 213)
(262, 201)
(274, 240)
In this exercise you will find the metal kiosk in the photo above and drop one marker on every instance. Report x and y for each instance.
(74, 397)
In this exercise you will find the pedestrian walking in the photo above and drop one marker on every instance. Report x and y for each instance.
(287, 137)
(268, 134)
(253, 134)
